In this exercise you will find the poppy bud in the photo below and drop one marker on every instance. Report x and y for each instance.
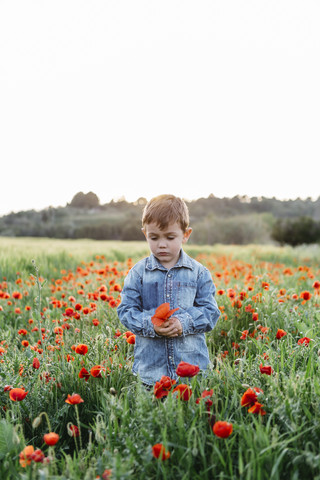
(36, 422)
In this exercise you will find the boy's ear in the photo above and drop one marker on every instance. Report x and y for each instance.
(186, 235)
(144, 232)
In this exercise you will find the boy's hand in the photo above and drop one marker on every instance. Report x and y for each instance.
(169, 328)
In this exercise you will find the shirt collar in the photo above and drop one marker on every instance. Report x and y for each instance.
(184, 261)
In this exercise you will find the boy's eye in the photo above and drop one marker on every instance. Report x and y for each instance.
(170, 238)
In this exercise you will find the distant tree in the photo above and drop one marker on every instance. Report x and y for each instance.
(296, 231)
(85, 200)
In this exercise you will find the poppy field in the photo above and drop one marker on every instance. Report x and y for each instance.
(71, 408)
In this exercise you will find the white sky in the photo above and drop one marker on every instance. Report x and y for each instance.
(135, 98)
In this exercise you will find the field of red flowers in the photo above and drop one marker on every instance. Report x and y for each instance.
(71, 408)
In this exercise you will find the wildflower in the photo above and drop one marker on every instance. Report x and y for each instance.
(84, 374)
(36, 363)
(250, 396)
(51, 438)
(305, 296)
(162, 313)
(82, 349)
(222, 429)
(257, 408)
(74, 399)
(162, 388)
(244, 334)
(266, 369)
(73, 430)
(25, 457)
(17, 394)
(96, 371)
(280, 333)
(205, 396)
(185, 369)
(255, 316)
(38, 456)
(131, 339)
(304, 341)
(184, 392)
(159, 451)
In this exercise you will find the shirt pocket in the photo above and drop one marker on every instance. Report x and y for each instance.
(186, 294)
(150, 295)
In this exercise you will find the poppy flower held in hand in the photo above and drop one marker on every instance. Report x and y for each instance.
(159, 451)
(185, 369)
(222, 429)
(162, 314)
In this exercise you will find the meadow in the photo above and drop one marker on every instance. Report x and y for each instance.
(71, 408)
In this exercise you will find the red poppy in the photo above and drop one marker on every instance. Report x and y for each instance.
(162, 388)
(36, 363)
(37, 456)
(267, 369)
(17, 394)
(248, 398)
(222, 429)
(159, 451)
(51, 438)
(304, 341)
(25, 457)
(185, 369)
(162, 314)
(316, 285)
(184, 392)
(74, 399)
(82, 349)
(96, 371)
(84, 374)
(280, 333)
(257, 408)
(131, 339)
(305, 296)
(244, 334)
(73, 430)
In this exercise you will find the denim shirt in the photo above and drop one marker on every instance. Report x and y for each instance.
(189, 286)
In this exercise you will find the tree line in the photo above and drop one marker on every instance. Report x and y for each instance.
(236, 220)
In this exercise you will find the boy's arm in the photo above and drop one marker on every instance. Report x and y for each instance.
(204, 313)
(130, 311)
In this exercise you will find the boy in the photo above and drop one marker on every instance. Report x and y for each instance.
(168, 275)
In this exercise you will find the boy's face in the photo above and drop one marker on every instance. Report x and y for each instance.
(166, 244)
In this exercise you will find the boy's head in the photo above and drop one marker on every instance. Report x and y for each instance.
(165, 210)
(165, 223)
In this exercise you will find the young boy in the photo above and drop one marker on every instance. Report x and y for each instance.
(168, 275)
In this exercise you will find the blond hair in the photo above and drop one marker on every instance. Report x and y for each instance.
(166, 209)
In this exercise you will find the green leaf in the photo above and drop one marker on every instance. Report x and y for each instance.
(8, 439)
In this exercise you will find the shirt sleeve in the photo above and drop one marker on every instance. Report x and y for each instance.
(204, 314)
(130, 311)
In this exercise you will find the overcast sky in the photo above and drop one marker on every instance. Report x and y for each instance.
(135, 98)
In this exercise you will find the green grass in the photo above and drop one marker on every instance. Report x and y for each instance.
(119, 419)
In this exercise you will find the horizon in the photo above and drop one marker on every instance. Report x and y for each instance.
(188, 200)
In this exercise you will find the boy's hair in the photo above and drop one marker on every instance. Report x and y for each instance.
(166, 209)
